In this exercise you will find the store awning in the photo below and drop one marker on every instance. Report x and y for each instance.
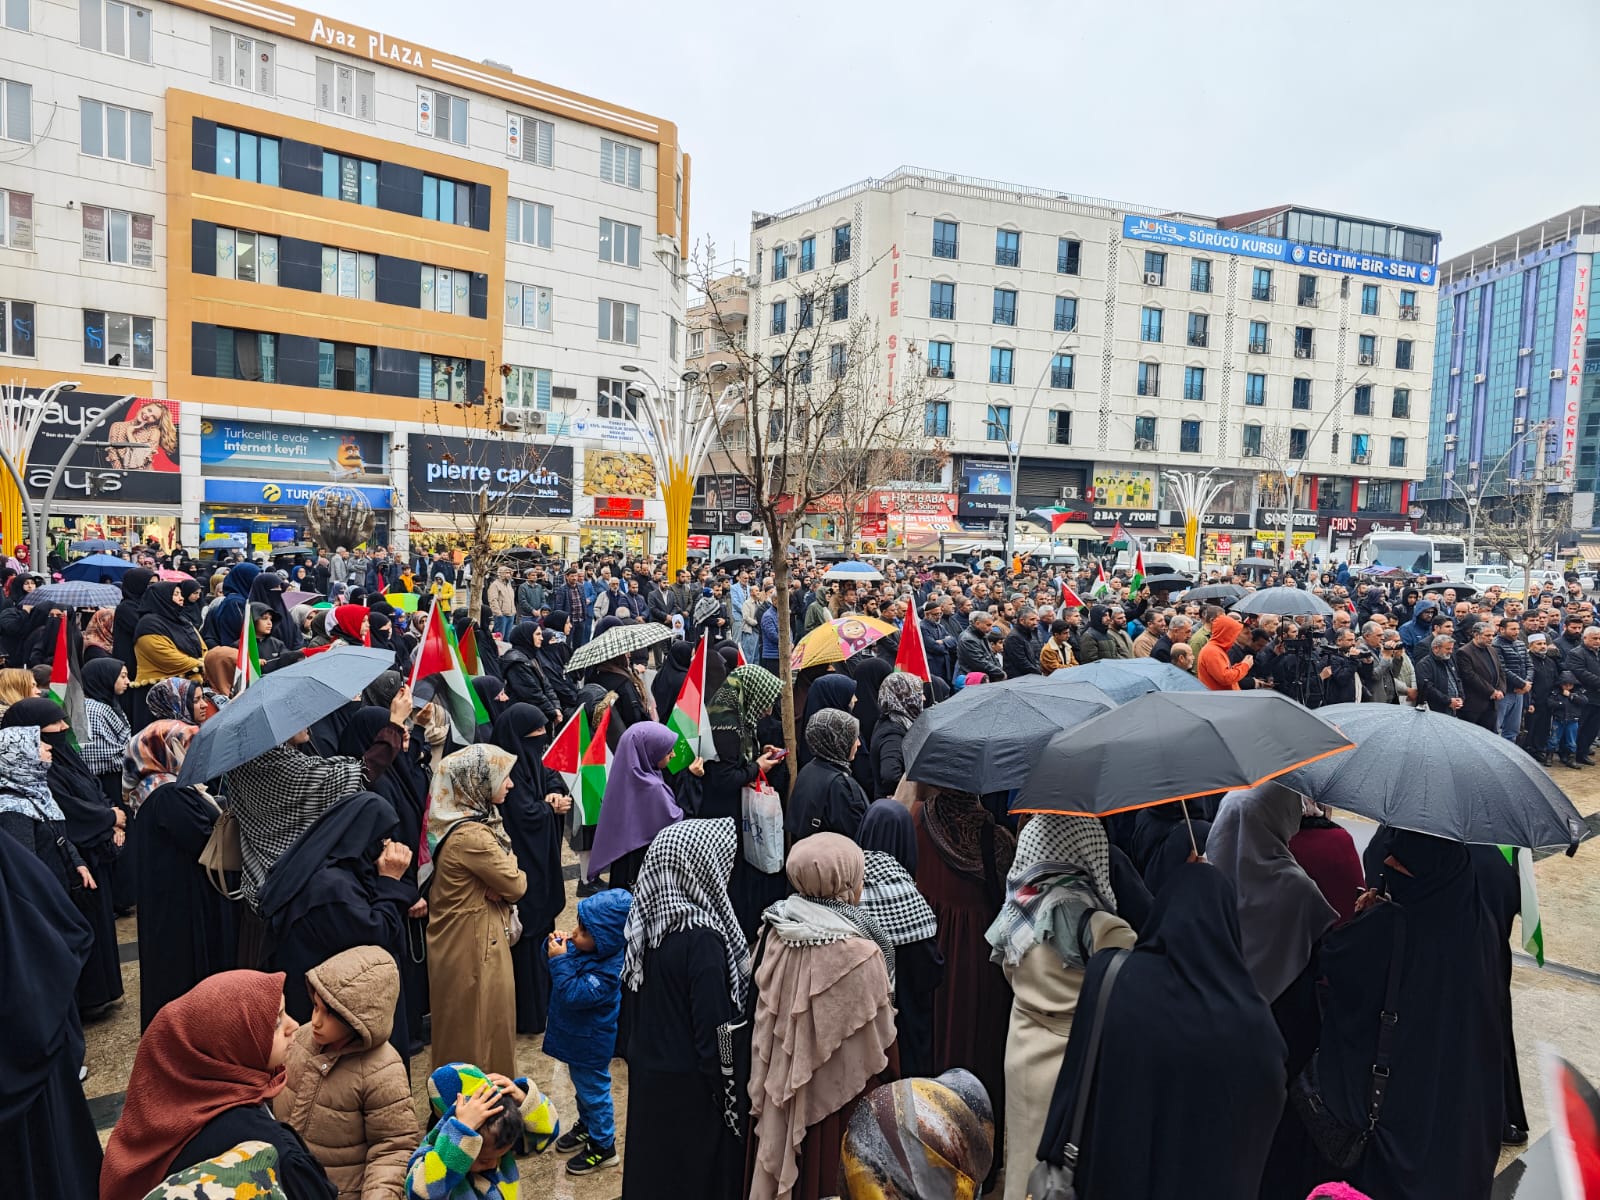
(1589, 554)
(447, 523)
(1077, 529)
(616, 523)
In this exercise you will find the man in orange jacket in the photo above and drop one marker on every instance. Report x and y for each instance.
(1213, 667)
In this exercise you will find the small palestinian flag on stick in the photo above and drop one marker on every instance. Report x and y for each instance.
(690, 718)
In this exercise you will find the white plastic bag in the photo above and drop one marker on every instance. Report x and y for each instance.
(763, 826)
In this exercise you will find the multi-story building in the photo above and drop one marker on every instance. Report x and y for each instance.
(722, 509)
(1516, 371)
(292, 238)
(1107, 343)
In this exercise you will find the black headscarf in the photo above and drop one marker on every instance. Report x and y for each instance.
(381, 631)
(1185, 1011)
(489, 688)
(193, 610)
(90, 819)
(887, 827)
(348, 836)
(162, 616)
(329, 731)
(870, 672)
(534, 827)
(100, 679)
(44, 943)
(826, 691)
(267, 588)
(404, 784)
(134, 583)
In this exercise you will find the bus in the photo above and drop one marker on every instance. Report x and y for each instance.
(1413, 553)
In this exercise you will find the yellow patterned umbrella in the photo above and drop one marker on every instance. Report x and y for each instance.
(838, 640)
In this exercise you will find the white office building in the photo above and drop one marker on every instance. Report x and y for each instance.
(1108, 343)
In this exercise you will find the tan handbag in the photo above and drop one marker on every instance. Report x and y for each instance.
(222, 854)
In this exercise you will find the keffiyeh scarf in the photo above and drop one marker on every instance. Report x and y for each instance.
(1062, 870)
(684, 885)
(742, 701)
(814, 921)
(890, 897)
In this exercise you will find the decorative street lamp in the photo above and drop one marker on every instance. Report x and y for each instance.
(1194, 495)
(679, 427)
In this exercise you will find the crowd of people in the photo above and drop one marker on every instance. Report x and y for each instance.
(894, 1011)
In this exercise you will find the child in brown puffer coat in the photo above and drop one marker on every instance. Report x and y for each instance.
(346, 1093)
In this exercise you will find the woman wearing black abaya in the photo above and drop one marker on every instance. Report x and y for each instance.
(186, 927)
(405, 786)
(526, 681)
(384, 636)
(134, 583)
(1161, 843)
(869, 672)
(630, 707)
(1445, 1070)
(1186, 1035)
(827, 691)
(268, 588)
(91, 826)
(44, 627)
(102, 744)
(339, 886)
(224, 620)
(664, 688)
(737, 708)
(47, 1137)
(532, 814)
(1502, 893)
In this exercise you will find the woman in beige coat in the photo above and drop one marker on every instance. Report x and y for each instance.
(1059, 911)
(474, 889)
(345, 1091)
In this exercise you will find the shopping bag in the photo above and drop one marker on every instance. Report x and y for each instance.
(763, 826)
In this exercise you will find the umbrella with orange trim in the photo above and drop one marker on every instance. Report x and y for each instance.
(1168, 746)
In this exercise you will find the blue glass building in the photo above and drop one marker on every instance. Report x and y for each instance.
(1513, 351)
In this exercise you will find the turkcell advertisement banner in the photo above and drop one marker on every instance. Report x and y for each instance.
(1259, 245)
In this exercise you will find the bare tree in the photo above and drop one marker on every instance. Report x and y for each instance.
(483, 451)
(820, 404)
(1526, 525)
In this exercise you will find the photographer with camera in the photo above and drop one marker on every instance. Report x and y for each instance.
(1342, 665)
(1394, 678)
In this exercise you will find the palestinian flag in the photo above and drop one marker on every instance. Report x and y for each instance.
(249, 668)
(469, 651)
(1070, 598)
(66, 688)
(691, 717)
(382, 584)
(912, 656)
(743, 661)
(438, 655)
(1137, 581)
(582, 759)
(1574, 1109)
(1100, 589)
(1521, 860)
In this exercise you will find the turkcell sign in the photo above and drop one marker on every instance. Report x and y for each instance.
(1259, 245)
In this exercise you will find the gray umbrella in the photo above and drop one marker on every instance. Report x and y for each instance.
(1217, 593)
(95, 546)
(986, 737)
(76, 593)
(1431, 773)
(617, 641)
(1123, 679)
(1284, 602)
(277, 706)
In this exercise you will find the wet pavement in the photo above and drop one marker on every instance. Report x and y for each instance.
(1558, 1004)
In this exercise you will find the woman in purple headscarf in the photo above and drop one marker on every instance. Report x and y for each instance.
(638, 802)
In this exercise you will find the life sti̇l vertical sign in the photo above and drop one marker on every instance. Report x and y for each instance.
(1259, 245)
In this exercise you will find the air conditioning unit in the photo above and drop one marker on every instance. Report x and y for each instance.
(1364, 360)
(1070, 492)
(1361, 460)
(1472, 466)
(1455, 370)
(1519, 424)
(1520, 393)
(1449, 441)
(1450, 417)
(1557, 373)
(534, 421)
(1152, 278)
(1302, 351)
(791, 251)
(1449, 474)
(1144, 444)
(1524, 351)
(1480, 377)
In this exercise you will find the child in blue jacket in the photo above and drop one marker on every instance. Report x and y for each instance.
(581, 1029)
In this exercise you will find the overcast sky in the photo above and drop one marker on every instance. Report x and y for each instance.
(1472, 117)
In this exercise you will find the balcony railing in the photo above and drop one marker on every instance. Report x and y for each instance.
(1197, 338)
(1307, 300)
(1066, 324)
(1263, 292)
(1198, 284)
(942, 310)
(941, 371)
(1261, 346)
(999, 374)
(1004, 257)
(1005, 316)
(1408, 312)
(944, 248)
(841, 251)
(1060, 378)
(1302, 351)
(1066, 264)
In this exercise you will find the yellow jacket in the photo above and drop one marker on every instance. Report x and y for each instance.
(158, 658)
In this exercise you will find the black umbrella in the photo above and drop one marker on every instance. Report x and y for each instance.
(1167, 583)
(277, 706)
(1123, 679)
(1461, 588)
(1172, 745)
(950, 568)
(733, 562)
(1431, 773)
(986, 738)
(1257, 564)
(1218, 593)
(1284, 602)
